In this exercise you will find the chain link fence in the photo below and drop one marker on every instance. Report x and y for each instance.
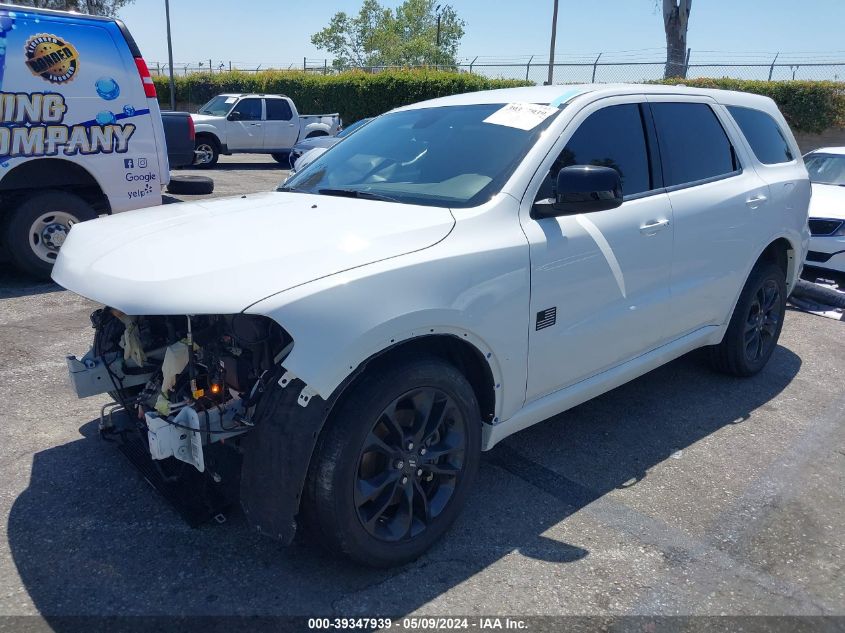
(830, 67)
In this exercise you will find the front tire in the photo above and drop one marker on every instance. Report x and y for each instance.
(395, 463)
(39, 225)
(282, 158)
(755, 325)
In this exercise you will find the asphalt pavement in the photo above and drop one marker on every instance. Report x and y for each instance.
(682, 492)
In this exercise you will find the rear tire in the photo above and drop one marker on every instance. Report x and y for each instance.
(35, 229)
(371, 497)
(755, 325)
(282, 158)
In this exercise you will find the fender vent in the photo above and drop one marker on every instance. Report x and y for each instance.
(546, 318)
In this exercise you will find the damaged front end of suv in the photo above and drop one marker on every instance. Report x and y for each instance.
(192, 389)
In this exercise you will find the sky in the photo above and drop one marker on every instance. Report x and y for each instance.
(276, 33)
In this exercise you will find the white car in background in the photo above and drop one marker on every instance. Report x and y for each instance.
(826, 167)
(255, 124)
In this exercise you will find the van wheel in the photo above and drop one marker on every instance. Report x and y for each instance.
(39, 225)
(755, 325)
(207, 151)
(281, 157)
(395, 463)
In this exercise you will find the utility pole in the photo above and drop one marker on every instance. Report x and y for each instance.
(437, 12)
(552, 47)
(170, 57)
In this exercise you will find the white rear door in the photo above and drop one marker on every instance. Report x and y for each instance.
(281, 128)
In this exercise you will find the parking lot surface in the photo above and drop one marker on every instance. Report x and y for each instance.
(683, 492)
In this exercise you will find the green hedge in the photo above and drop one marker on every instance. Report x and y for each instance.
(354, 94)
(808, 106)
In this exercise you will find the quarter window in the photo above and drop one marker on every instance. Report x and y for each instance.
(610, 137)
(249, 109)
(763, 134)
(693, 144)
(278, 110)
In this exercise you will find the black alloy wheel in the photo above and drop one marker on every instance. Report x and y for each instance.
(409, 464)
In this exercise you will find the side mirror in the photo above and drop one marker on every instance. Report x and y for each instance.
(583, 189)
(234, 115)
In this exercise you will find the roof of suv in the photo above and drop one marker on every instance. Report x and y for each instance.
(250, 94)
(555, 95)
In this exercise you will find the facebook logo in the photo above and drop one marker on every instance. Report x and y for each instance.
(128, 163)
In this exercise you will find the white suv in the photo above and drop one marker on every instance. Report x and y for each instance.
(456, 271)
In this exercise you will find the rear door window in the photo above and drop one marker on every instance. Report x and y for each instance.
(278, 110)
(763, 134)
(693, 144)
(610, 137)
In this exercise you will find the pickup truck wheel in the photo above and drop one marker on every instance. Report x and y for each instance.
(207, 152)
(38, 226)
(395, 463)
(281, 157)
(755, 325)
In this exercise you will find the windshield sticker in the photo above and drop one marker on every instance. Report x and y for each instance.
(230, 99)
(523, 116)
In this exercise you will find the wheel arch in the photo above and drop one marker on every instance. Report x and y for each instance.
(55, 173)
(448, 346)
(780, 250)
(211, 134)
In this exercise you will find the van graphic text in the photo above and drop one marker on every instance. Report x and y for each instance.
(31, 125)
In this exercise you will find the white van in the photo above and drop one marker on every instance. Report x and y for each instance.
(80, 129)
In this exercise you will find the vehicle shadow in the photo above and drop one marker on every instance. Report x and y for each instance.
(17, 284)
(88, 538)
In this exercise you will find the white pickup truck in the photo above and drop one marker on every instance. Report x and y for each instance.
(255, 123)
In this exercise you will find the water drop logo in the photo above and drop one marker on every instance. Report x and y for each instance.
(107, 88)
(128, 110)
(105, 117)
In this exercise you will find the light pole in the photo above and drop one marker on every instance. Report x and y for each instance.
(170, 57)
(552, 47)
(437, 13)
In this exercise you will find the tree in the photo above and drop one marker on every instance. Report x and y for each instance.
(94, 7)
(379, 36)
(675, 23)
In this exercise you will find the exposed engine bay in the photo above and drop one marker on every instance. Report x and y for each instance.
(189, 381)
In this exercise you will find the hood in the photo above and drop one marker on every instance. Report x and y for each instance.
(220, 256)
(205, 118)
(827, 201)
(316, 141)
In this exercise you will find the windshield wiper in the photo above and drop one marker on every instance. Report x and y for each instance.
(356, 193)
(291, 189)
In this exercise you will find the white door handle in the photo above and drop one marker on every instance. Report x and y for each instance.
(653, 227)
(756, 201)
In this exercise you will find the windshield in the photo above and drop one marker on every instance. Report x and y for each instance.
(826, 169)
(218, 106)
(446, 157)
